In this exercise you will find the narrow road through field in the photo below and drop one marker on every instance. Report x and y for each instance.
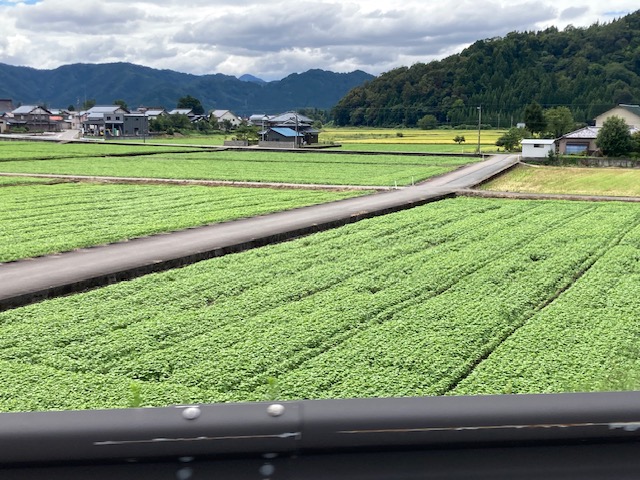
(30, 280)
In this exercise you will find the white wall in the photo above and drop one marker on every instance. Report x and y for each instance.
(537, 150)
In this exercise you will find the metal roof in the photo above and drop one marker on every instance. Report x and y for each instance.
(291, 116)
(287, 132)
(635, 109)
(109, 109)
(180, 111)
(24, 109)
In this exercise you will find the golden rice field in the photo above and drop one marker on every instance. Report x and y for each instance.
(407, 136)
(567, 180)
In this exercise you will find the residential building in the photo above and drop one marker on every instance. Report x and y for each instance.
(222, 116)
(34, 119)
(6, 106)
(300, 125)
(582, 141)
(629, 113)
(114, 121)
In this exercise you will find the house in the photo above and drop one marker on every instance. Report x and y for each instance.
(183, 111)
(279, 128)
(115, 121)
(629, 113)
(581, 141)
(3, 125)
(224, 116)
(63, 116)
(538, 147)
(6, 105)
(33, 118)
(154, 113)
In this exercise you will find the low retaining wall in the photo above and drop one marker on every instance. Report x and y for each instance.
(236, 143)
(587, 162)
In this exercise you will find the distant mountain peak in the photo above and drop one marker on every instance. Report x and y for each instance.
(251, 79)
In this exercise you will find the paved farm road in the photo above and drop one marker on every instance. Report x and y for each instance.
(26, 281)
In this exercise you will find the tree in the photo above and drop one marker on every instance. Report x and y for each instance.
(71, 108)
(635, 138)
(121, 103)
(534, 118)
(246, 132)
(459, 139)
(89, 104)
(614, 138)
(192, 103)
(559, 121)
(428, 122)
(511, 139)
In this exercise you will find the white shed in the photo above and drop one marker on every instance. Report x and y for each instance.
(538, 147)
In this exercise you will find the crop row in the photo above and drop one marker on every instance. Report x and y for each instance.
(407, 304)
(255, 167)
(42, 219)
(588, 339)
(45, 150)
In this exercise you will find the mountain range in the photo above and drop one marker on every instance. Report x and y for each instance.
(138, 85)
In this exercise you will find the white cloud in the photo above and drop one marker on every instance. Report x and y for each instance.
(271, 39)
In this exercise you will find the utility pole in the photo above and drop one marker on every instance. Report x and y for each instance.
(479, 124)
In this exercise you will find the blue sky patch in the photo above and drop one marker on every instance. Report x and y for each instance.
(9, 3)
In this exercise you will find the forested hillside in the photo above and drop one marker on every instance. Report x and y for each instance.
(586, 69)
(138, 85)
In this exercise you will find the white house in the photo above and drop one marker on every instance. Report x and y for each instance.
(629, 113)
(222, 115)
(538, 147)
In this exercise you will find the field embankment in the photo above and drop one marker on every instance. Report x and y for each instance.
(259, 166)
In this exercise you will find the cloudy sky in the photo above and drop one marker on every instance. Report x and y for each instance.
(271, 39)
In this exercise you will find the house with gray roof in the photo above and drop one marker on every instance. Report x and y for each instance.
(289, 127)
(226, 115)
(583, 141)
(629, 113)
(114, 121)
(33, 118)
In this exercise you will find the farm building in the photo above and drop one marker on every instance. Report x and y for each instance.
(537, 147)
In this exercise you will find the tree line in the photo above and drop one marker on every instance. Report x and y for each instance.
(587, 70)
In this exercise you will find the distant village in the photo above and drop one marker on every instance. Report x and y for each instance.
(285, 130)
(115, 121)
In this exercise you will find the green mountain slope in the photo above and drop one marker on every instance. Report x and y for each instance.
(587, 69)
(138, 85)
